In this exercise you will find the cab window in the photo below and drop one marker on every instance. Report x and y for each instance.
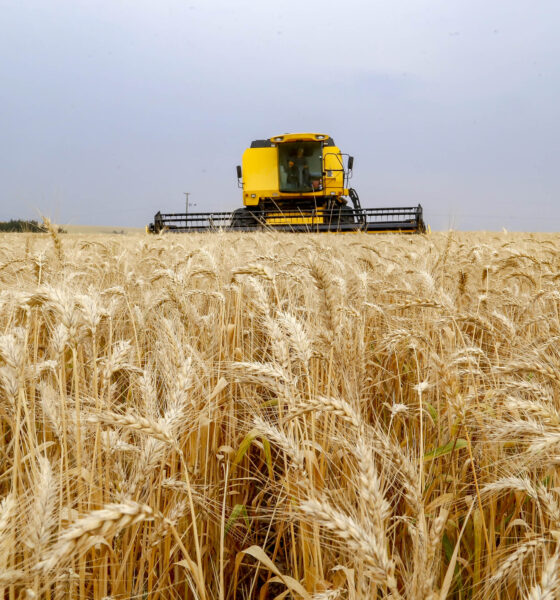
(300, 166)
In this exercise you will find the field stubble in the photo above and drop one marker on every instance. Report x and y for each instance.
(265, 415)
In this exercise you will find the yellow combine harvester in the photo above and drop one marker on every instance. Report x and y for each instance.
(296, 182)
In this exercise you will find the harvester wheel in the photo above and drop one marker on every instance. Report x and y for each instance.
(342, 215)
(346, 215)
(243, 219)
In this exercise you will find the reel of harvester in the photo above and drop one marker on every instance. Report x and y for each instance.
(369, 220)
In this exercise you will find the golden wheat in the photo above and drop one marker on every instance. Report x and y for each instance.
(251, 416)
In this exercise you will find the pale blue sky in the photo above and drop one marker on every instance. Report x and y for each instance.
(110, 110)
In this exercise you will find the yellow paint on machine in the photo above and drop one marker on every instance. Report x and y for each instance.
(296, 218)
(261, 167)
(260, 174)
(333, 168)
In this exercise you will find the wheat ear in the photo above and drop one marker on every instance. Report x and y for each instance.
(550, 581)
(515, 559)
(134, 422)
(104, 523)
(336, 406)
(380, 566)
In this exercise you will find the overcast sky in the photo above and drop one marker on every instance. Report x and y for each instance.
(111, 109)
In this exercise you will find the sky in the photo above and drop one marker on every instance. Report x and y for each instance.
(111, 109)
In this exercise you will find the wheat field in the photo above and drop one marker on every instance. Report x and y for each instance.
(251, 416)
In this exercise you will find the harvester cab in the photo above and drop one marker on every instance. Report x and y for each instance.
(297, 182)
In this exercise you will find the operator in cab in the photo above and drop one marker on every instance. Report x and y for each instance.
(298, 171)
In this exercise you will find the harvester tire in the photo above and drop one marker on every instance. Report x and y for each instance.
(342, 215)
(243, 219)
(346, 215)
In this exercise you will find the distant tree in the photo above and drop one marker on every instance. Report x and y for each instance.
(21, 225)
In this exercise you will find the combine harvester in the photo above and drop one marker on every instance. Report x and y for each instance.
(296, 182)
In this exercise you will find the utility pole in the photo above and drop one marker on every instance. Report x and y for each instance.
(187, 201)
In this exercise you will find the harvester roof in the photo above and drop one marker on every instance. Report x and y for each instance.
(300, 137)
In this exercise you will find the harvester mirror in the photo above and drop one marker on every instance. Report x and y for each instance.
(350, 163)
(238, 171)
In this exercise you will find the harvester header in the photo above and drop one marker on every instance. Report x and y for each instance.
(296, 182)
